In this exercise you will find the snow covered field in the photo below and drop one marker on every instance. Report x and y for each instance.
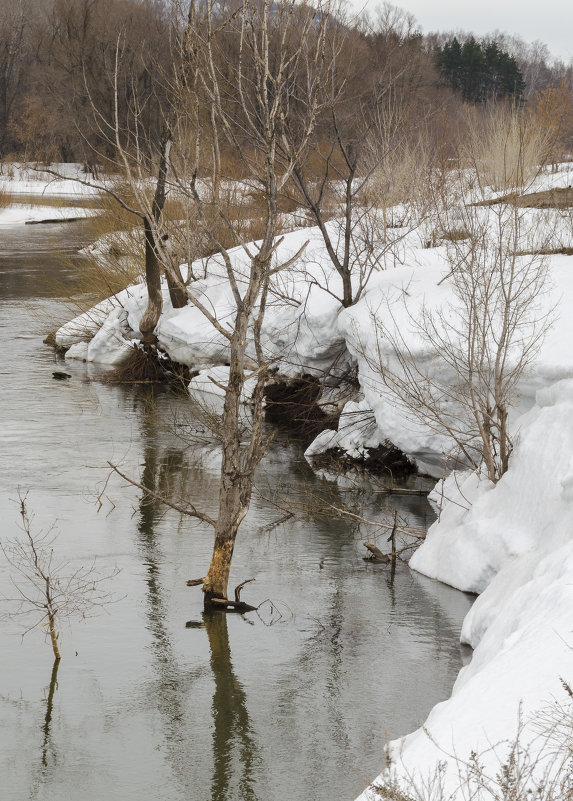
(511, 542)
(21, 179)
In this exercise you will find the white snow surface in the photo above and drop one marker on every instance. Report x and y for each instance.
(306, 330)
(20, 214)
(514, 545)
(27, 179)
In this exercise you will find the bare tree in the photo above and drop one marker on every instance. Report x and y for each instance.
(234, 88)
(47, 590)
(369, 129)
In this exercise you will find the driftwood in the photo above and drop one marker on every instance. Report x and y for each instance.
(376, 554)
(54, 221)
(225, 603)
(232, 606)
(239, 587)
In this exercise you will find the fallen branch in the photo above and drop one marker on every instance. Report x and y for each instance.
(190, 511)
(235, 606)
(239, 587)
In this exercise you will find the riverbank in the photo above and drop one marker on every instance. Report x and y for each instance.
(510, 542)
(145, 706)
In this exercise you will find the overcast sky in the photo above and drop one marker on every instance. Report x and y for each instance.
(550, 21)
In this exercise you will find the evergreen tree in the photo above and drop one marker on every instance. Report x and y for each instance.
(479, 71)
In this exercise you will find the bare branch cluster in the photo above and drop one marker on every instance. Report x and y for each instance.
(47, 589)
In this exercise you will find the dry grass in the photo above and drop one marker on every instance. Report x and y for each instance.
(506, 147)
(455, 235)
(548, 199)
(6, 199)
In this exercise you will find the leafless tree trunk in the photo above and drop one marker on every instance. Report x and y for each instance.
(238, 67)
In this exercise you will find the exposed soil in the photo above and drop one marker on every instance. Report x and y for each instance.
(385, 460)
(148, 365)
(292, 405)
(548, 199)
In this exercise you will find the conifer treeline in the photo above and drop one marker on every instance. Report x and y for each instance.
(481, 72)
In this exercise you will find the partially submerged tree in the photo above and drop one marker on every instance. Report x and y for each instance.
(244, 62)
(48, 590)
(234, 86)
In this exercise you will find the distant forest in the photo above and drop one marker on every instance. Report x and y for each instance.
(64, 62)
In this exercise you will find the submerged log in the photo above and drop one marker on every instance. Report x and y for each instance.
(225, 604)
(231, 606)
(376, 554)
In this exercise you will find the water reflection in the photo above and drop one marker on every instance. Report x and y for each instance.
(46, 768)
(235, 752)
(174, 684)
(222, 710)
(234, 748)
(47, 749)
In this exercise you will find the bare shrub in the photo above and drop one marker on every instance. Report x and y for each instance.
(506, 147)
(479, 345)
(48, 590)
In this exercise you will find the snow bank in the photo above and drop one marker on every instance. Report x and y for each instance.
(510, 542)
(306, 330)
(21, 214)
(513, 544)
(357, 433)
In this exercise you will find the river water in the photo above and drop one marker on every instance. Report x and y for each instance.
(151, 701)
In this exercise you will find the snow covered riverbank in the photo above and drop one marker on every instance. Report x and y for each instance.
(512, 541)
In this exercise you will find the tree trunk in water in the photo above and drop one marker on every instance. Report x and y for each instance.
(216, 582)
(153, 281)
(236, 485)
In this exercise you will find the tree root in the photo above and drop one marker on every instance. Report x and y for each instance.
(225, 604)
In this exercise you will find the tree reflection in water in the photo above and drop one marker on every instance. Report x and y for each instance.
(48, 761)
(235, 753)
(46, 742)
(233, 740)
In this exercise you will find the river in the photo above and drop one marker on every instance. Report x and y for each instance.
(150, 700)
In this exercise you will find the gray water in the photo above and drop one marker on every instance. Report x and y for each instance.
(294, 703)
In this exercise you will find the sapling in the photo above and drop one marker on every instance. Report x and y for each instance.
(47, 590)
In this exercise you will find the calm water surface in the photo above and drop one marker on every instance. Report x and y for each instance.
(264, 708)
